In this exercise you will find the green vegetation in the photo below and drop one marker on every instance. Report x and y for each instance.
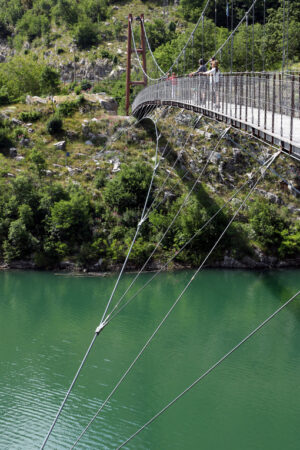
(68, 205)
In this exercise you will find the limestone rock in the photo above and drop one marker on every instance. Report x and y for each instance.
(13, 152)
(15, 121)
(61, 145)
(30, 100)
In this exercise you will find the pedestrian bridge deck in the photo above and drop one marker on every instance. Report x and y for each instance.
(264, 104)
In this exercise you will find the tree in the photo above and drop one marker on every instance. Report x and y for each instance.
(38, 161)
(49, 80)
(129, 188)
(268, 223)
(86, 34)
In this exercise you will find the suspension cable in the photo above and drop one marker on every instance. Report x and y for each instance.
(287, 33)
(264, 38)
(215, 25)
(261, 325)
(247, 18)
(236, 28)
(149, 47)
(253, 19)
(283, 37)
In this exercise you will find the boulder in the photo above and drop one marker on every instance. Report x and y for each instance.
(61, 145)
(215, 157)
(24, 142)
(15, 121)
(35, 99)
(109, 104)
(13, 152)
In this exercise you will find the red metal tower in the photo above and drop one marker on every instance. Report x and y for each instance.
(141, 50)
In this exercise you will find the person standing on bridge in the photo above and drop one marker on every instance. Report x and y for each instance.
(202, 68)
(202, 85)
(173, 79)
(214, 74)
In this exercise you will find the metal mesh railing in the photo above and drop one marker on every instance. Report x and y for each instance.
(266, 101)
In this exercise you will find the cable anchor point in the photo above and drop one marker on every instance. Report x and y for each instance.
(100, 327)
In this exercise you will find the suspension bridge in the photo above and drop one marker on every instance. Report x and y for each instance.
(263, 104)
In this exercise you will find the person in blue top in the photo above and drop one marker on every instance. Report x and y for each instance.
(201, 84)
(202, 68)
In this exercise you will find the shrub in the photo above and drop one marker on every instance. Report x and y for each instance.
(20, 242)
(85, 85)
(49, 80)
(30, 116)
(54, 125)
(32, 25)
(68, 108)
(38, 161)
(268, 223)
(4, 98)
(86, 34)
(129, 187)
(77, 90)
(5, 140)
(100, 179)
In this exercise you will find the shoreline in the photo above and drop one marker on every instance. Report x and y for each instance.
(228, 263)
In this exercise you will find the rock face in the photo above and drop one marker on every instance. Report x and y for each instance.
(85, 70)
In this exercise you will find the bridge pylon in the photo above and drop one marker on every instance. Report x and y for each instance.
(142, 51)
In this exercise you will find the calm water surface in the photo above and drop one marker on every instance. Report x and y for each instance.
(250, 402)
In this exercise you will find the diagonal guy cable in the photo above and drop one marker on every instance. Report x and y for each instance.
(103, 323)
(171, 223)
(267, 165)
(261, 325)
(152, 205)
(270, 161)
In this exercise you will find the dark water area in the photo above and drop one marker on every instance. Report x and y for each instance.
(251, 401)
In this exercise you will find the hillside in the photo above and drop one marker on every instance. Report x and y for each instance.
(74, 171)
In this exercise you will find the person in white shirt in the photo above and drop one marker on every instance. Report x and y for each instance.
(214, 74)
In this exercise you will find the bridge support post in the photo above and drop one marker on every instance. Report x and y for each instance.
(141, 50)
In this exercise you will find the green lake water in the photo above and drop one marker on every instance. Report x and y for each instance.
(250, 402)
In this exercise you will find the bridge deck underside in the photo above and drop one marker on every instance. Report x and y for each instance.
(263, 108)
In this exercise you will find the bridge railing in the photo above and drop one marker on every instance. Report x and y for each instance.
(267, 101)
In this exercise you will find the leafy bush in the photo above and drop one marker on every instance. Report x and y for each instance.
(30, 116)
(20, 243)
(290, 244)
(268, 223)
(38, 161)
(21, 75)
(69, 219)
(85, 85)
(68, 108)
(4, 98)
(54, 125)
(86, 34)
(66, 11)
(32, 25)
(129, 187)
(49, 80)
(5, 140)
